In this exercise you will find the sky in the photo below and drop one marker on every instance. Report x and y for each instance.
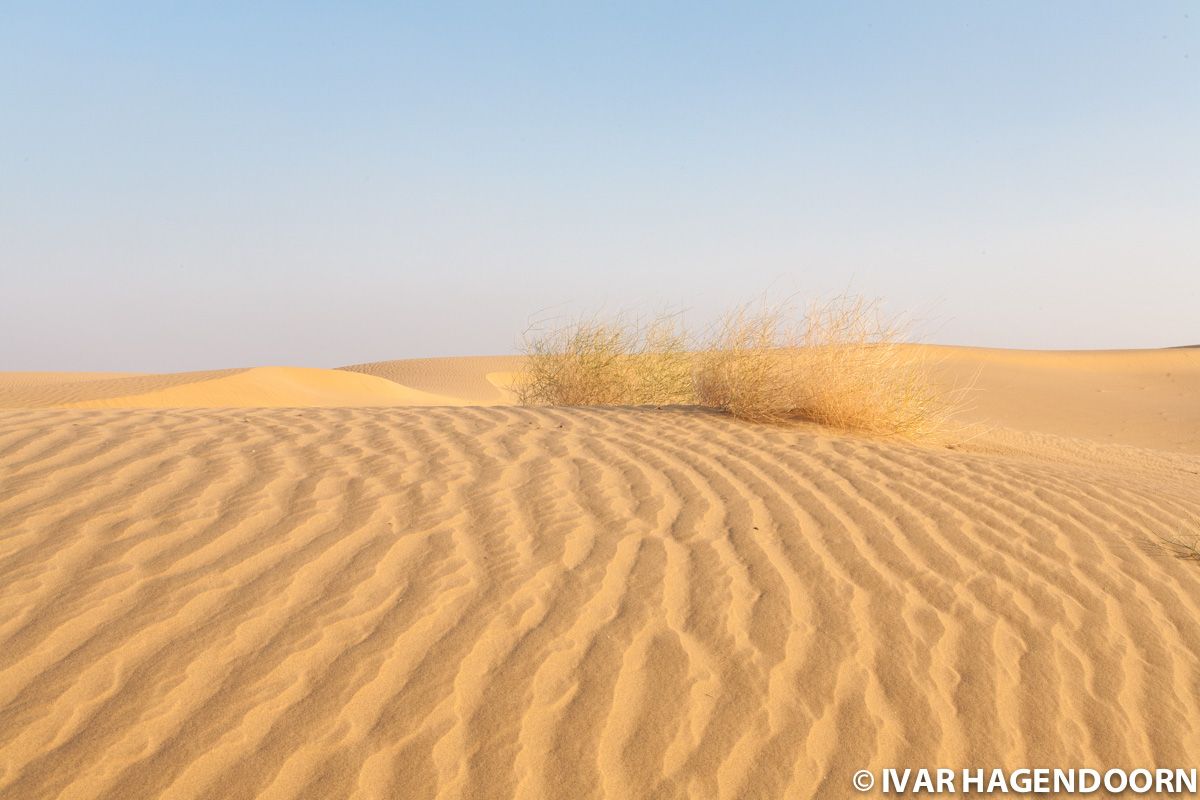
(193, 186)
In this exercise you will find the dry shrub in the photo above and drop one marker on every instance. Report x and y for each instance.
(593, 362)
(1183, 546)
(840, 364)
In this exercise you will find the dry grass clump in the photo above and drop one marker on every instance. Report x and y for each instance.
(1184, 546)
(840, 364)
(593, 362)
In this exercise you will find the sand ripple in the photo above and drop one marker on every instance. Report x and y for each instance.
(499, 602)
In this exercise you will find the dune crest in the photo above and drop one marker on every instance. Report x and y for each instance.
(1142, 398)
(258, 387)
(473, 380)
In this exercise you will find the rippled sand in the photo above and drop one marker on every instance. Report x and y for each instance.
(504, 602)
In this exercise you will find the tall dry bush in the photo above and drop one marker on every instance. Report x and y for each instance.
(593, 362)
(841, 364)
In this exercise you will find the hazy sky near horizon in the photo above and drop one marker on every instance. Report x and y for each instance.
(189, 186)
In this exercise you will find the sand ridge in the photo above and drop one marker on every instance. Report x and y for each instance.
(63, 389)
(475, 380)
(1143, 398)
(258, 387)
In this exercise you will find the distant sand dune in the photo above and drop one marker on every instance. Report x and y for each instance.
(477, 380)
(1145, 398)
(260, 387)
(1148, 398)
(623, 603)
(62, 389)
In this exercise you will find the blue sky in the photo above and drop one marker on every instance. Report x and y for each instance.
(187, 186)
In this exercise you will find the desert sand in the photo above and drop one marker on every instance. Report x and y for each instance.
(382, 581)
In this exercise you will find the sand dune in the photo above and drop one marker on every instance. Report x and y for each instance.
(1144, 398)
(505, 602)
(63, 389)
(1148, 398)
(474, 380)
(260, 387)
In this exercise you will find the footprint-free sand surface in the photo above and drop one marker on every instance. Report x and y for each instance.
(383, 582)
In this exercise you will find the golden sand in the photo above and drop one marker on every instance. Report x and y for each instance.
(284, 582)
